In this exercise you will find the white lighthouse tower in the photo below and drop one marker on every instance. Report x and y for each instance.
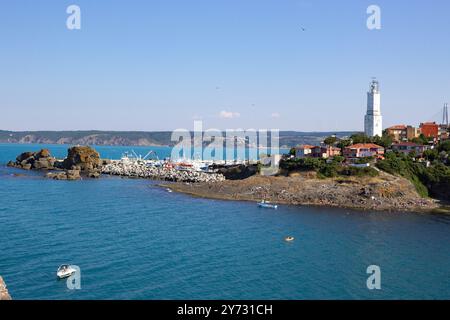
(373, 122)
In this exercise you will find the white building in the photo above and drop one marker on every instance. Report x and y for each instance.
(373, 122)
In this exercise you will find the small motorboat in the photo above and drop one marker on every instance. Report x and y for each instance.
(267, 204)
(65, 271)
(169, 190)
(289, 239)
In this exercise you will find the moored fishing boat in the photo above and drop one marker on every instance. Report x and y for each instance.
(267, 205)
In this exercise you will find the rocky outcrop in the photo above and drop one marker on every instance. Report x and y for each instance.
(385, 192)
(41, 160)
(65, 175)
(80, 161)
(84, 159)
(4, 295)
(236, 172)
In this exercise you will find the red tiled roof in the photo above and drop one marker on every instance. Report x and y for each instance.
(407, 144)
(306, 146)
(365, 146)
(398, 127)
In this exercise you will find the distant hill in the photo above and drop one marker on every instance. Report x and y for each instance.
(137, 138)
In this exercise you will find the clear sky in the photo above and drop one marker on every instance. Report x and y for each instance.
(160, 64)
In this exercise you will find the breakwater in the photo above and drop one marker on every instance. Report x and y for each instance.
(142, 169)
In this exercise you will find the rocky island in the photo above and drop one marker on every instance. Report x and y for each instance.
(80, 160)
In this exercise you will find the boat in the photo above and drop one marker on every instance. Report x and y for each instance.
(169, 190)
(267, 204)
(65, 271)
(289, 239)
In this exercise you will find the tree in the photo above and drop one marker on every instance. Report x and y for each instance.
(292, 152)
(344, 143)
(338, 159)
(422, 139)
(330, 141)
(444, 146)
(431, 155)
(385, 141)
(360, 138)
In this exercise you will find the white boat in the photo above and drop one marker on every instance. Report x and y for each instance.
(267, 204)
(289, 239)
(65, 271)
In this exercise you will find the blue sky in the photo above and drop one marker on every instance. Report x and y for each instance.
(158, 65)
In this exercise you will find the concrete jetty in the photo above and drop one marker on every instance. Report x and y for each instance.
(142, 169)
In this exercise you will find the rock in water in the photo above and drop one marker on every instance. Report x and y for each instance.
(73, 175)
(24, 156)
(4, 295)
(85, 158)
(41, 160)
(80, 160)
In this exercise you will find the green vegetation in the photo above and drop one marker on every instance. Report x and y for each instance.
(422, 139)
(444, 146)
(429, 181)
(330, 141)
(384, 141)
(326, 169)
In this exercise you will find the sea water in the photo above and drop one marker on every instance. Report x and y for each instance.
(134, 240)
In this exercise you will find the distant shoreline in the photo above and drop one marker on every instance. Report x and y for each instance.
(140, 138)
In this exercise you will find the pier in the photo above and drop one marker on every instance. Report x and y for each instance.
(160, 170)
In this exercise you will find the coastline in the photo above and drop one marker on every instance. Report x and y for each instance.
(385, 193)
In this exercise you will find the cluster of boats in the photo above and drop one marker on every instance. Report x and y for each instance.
(151, 159)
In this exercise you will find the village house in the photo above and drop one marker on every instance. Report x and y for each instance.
(408, 147)
(363, 150)
(430, 129)
(303, 151)
(402, 132)
(323, 152)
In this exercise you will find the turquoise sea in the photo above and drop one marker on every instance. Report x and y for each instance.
(134, 240)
